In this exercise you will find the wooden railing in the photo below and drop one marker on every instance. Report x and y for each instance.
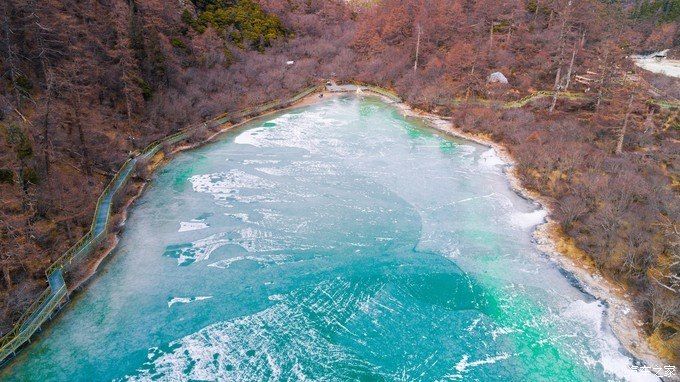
(53, 297)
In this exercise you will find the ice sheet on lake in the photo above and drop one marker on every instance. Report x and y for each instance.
(262, 260)
(250, 239)
(295, 131)
(223, 185)
(604, 348)
(298, 302)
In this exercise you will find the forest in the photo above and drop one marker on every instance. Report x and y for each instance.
(86, 84)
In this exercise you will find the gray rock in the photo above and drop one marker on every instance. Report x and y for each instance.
(497, 77)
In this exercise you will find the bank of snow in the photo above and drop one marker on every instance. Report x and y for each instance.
(658, 63)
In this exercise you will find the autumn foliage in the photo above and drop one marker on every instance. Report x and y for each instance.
(88, 83)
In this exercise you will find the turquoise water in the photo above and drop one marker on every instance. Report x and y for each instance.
(335, 242)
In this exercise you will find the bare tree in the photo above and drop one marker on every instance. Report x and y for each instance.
(663, 307)
(46, 38)
(670, 278)
(560, 50)
(415, 63)
(575, 49)
(49, 94)
(126, 60)
(11, 55)
(622, 133)
(603, 81)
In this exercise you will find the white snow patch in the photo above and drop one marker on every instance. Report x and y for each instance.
(490, 158)
(464, 364)
(261, 161)
(503, 331)
(248, 137)
(192, 225)
(466, 150)
(223, 185)
(273, 171)
(295, 131)
(240, 216)
(528, 219)
(186, 300)
(659, 65)
(591, 313)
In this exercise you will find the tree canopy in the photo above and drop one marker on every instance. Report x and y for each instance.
(244, 22)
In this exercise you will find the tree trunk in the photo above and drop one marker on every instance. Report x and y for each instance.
(491, 37)
(538, 5)
(11, 58)
(571, 67)
(81, 137)
(415, 63)
(40, 32)
(46, 126)
(583, 39)
(8, 276)
(619, 145)
(472, 73)
(128, 104)
(560, 52)
(602, 81)
(24, 186)
(557, 89)
(649, 121)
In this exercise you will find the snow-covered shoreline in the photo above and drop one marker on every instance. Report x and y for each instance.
(621, 315)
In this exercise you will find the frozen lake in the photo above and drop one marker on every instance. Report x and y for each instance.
(335, 242)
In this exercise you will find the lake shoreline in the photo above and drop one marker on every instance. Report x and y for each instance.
(621, 316)
(158, 160)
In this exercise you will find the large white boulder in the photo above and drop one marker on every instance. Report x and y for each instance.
(497, 77)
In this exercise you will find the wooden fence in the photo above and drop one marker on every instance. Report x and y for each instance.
(57, 293)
